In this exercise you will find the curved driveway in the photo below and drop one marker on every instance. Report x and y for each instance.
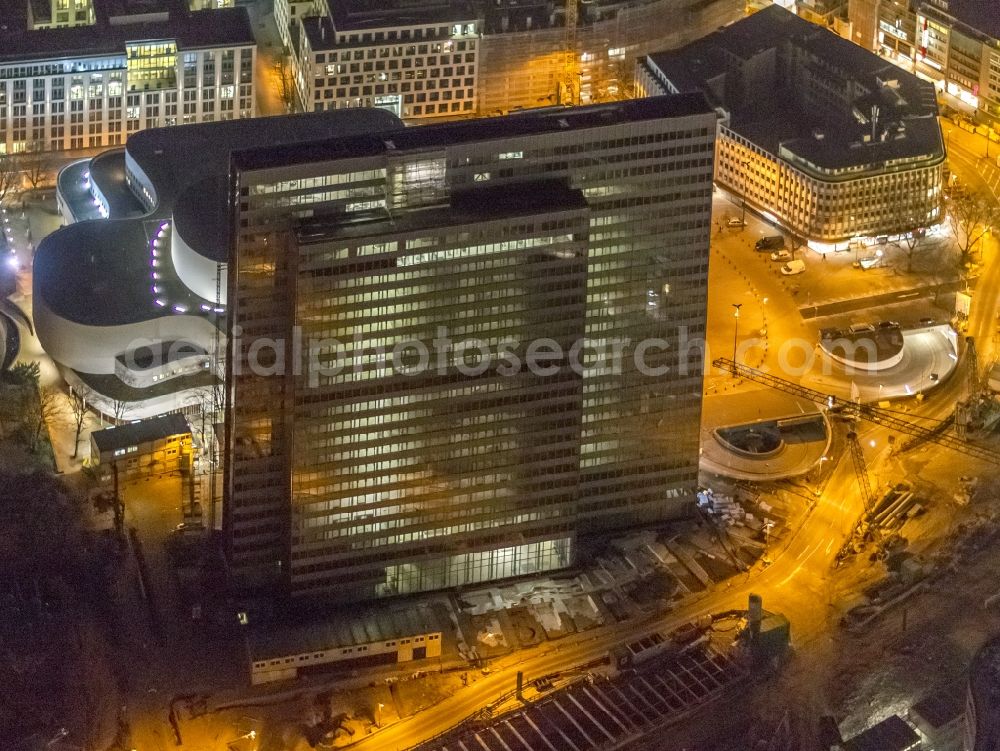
(929, 357)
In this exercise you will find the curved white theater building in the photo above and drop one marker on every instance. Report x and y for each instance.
(130, 296)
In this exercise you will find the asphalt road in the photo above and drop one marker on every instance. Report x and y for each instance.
(797, 583)
(874, 301)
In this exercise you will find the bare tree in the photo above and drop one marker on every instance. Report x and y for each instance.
(47, 410)
(120, 409)
(78, 397)
(10, 177)
(911, 241)
(286, 81)
(971, 216)
(37, 164)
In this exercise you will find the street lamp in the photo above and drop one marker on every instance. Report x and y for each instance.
(736, 328)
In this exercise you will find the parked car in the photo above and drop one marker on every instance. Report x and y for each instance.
(888, 324)
(793, 267)
(772, 242)
(781, 255)
(868, 262)
(861, 328)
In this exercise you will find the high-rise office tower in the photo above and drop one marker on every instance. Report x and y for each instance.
(458, 352)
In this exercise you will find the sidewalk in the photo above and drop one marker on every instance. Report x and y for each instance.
(26, 229)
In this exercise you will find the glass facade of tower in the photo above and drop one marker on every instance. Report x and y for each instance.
(437, 333)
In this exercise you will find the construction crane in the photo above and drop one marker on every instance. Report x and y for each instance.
(972, 357)
(861, 470)
(978, 411)
(966, 408)
(871, 413)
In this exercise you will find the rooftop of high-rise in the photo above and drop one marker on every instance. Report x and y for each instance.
(440, 135)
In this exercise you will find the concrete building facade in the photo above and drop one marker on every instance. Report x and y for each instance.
(953, 43)
(515, 54)
(826, 138)
(144, 448)
(94, 85)
(982, 709)
(393, 475)
(283, 652)
(417, 64)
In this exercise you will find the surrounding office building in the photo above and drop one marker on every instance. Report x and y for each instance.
(822, 12)
(211, 4)
(512, 54)
(828, 139)
(94, 85)
(393, 475)
(418, 62)
(982, 710)
(280, 652)
(142, 449)
(288, 13)
(891, 734)
(64, 14)
(536, 54)
(954, 43)
(60, 14)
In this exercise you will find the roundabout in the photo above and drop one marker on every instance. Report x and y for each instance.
(881, 365)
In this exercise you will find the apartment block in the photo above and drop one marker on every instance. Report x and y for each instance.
(93, 86)
(824, 137)
(510, 54)
(288, 13)
(953, 43)
(420, 63)
(385, 433)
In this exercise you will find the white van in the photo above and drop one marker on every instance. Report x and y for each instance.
(793, 267)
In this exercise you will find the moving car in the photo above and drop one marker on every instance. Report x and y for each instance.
(734, 222)
(793, 267)
(781, 255)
